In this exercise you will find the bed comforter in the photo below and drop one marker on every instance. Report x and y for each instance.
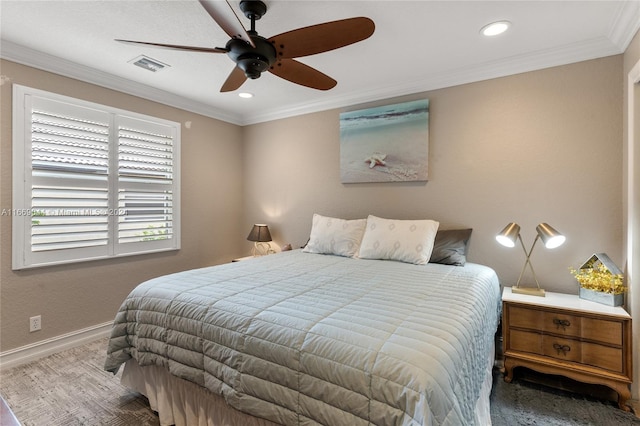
(300, 338)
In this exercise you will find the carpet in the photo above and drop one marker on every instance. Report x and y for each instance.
(70, 388)
(524, 403)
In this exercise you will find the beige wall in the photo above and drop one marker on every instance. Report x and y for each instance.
(540, 146)
(76, 296)
(631, 199)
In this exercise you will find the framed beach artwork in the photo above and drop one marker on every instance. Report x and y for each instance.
(388, 143)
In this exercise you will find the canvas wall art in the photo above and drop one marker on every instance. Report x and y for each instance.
(388, 143)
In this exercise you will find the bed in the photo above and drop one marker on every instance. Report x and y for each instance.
(304, 338)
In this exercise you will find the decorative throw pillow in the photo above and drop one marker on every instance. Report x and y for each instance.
(451, 247)
(330, 235)
(408, 241)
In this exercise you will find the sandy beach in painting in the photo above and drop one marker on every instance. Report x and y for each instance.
(399, 131)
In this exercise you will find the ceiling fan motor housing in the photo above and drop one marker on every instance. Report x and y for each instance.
(252, 60)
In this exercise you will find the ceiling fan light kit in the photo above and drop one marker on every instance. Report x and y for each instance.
(254, 54)
(252, 60)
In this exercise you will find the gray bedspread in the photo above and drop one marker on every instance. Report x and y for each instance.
(301, 339)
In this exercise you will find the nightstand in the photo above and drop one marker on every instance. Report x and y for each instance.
(564, 335)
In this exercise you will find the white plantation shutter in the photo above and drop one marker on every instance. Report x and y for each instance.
(90, 181)
(145, 178)
(62, 221)
(69, 171)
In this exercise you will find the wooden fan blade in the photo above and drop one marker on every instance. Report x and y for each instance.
(234, 81)
(299, 73)
(322, 37)
(226, 18)
(178, 47)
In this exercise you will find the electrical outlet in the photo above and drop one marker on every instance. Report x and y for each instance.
(35, 323)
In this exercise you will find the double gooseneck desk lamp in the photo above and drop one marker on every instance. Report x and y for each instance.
(550, 238)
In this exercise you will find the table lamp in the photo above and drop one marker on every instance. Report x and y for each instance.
(260, 236)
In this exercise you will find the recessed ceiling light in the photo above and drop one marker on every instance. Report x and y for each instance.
(495, 28)
(245, 95)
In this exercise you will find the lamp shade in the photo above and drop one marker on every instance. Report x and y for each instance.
(509, 235)
(259, 233)
(549, 236)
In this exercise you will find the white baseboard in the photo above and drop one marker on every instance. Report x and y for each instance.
(34, 351)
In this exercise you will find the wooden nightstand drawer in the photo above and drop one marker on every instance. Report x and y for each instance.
(586, 353)
(607, 357)
(566, 324)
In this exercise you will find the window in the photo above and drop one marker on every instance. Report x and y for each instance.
(90, 181)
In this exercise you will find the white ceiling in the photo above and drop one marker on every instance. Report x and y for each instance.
(417, 46)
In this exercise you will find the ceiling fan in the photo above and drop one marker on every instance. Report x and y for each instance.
(254, 54)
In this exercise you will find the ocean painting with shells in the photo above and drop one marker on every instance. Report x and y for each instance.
(388, 143)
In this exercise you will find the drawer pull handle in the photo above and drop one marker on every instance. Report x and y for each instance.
(562, 348)
(561, 323)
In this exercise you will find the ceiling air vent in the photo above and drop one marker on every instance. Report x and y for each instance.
(148, 64)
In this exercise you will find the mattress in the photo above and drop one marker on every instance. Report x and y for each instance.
(300, 338)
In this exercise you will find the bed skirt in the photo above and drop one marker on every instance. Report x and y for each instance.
(182, 403)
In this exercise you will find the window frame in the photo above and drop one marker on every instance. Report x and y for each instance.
(23, 257)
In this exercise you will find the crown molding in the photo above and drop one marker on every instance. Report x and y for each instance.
(575, 52)
(625, 25)
(43, 61)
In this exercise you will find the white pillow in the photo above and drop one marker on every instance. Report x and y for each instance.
(408, 241)
(330, 235)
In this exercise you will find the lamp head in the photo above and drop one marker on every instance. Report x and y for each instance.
(259, 233)
(509, 235)
(549, 236)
